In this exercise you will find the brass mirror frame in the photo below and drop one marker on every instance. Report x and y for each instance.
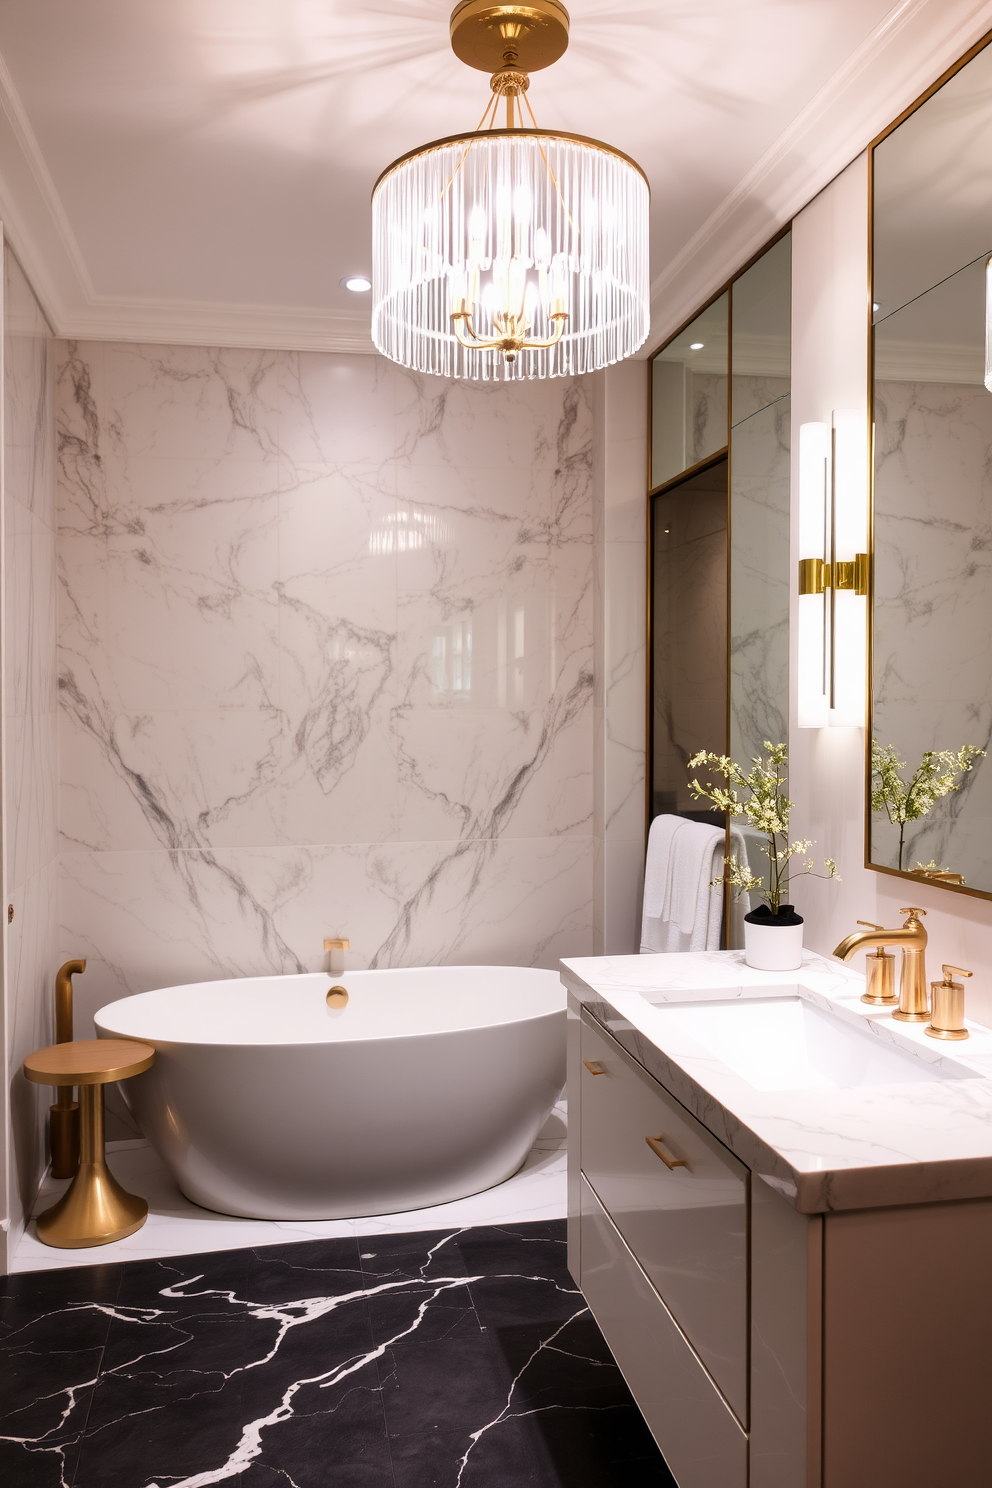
(916, 878)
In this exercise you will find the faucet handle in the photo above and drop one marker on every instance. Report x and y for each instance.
(870, 925)
(947, 1006)
(913, 913)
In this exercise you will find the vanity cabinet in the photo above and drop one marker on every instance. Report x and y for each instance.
(768, 1348)
(678, 1199)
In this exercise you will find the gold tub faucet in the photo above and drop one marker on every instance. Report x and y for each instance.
(912, 940)
(335, 958)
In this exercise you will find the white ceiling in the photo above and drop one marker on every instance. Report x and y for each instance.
(199, 169)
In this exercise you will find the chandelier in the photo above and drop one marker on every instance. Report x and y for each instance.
(513, 251)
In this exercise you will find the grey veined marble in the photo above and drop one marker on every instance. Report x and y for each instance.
(932, 667)
(460, 1358)
(325, 664)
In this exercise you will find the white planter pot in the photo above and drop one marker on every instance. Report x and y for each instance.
(773, 947)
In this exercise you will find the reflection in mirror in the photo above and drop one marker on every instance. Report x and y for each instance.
(759, 516)
(931, 688)
(759, 503)
(688, 634)
(689, 395)
(932, 191)
(932, 652)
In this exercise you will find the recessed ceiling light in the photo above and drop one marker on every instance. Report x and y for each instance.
(357, 283)
(696, 346)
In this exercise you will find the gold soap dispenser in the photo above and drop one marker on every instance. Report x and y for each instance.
(947, 1006)
(880, 975)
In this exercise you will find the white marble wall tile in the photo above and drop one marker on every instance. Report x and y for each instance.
(32, 795)
(323, 619)
(752, 393)
(156, 919)
(273, 730)
(28, 351)
(29, 642)
(31, 942)
(32, 948)
(708, 411)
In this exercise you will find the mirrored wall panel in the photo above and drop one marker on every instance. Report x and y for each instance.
(689, 395)
(688, 634)
(931, 675)
(759, 502)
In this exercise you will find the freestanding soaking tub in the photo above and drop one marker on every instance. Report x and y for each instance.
(264, 1100)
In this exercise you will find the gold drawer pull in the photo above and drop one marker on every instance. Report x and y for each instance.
(657, 1147)
(594, 1067)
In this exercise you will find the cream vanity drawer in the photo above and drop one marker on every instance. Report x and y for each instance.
(678, 1198)
(702, 1441)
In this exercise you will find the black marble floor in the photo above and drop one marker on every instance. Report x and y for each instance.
(459, 1359)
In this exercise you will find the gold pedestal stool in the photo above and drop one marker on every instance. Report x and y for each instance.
(94, 1210)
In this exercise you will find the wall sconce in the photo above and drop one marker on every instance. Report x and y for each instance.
(833, 572)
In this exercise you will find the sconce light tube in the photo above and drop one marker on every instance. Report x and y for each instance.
(849, 560)
(833, 571)
(814, 557)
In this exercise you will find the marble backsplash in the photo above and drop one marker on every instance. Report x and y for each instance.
(325, 665)
(30, 725)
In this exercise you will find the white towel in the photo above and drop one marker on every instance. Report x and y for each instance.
(681, 909)
(657, 866)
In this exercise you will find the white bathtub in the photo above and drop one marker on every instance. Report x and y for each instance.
(429, 1085)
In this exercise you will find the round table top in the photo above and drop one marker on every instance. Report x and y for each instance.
(88, 1062)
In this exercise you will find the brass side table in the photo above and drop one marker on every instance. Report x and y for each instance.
(94, 1210)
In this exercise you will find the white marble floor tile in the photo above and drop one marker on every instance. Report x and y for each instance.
(175, 1226)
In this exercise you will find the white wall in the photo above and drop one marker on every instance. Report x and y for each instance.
(830, 371)
(30, 731)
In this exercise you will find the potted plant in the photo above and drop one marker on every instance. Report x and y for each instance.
(773, 932)
(907, 801)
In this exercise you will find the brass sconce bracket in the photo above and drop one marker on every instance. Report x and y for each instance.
(816, 576)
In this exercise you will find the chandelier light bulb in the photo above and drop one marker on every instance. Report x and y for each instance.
(510, 252)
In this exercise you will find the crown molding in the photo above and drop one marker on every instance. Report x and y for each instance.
(907, 51)
(189, 323)
(911, 47)
(925, 361)
(38, 230)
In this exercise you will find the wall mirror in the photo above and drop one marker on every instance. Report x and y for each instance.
(931, 631)
(719, 632)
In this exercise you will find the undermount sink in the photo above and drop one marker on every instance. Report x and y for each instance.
(787, 1043)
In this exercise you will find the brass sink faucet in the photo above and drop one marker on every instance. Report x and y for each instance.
(912, 939)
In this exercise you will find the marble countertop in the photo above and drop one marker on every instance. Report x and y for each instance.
(822, 1149)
